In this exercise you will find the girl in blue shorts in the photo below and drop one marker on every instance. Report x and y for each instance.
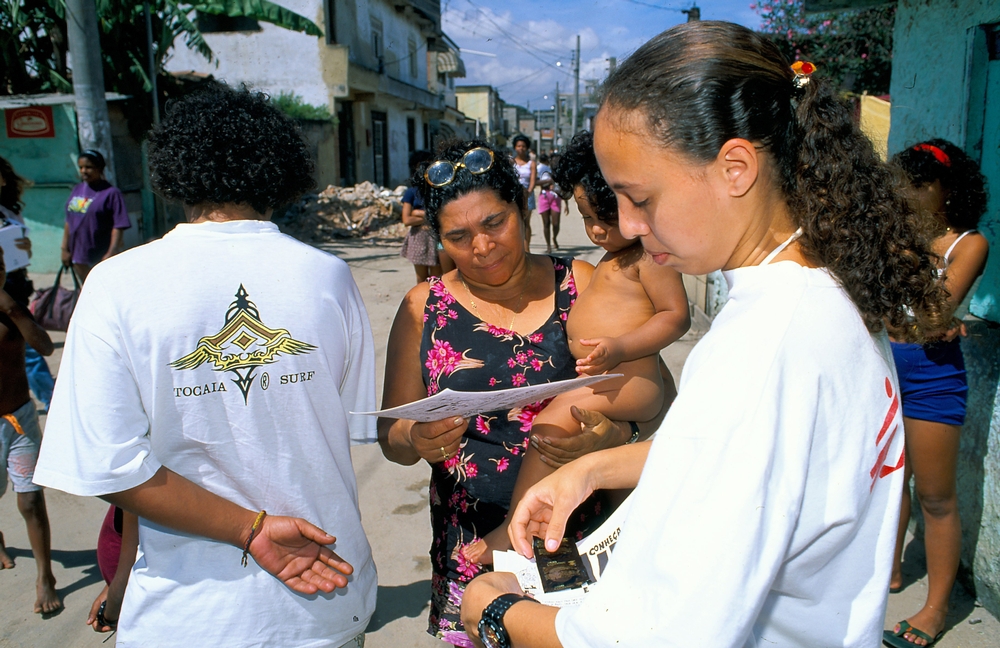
(949, 187)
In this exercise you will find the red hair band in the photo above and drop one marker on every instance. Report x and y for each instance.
(938, 154)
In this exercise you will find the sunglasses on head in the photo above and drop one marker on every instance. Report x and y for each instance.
(478, 160)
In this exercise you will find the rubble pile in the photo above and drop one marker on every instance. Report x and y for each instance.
(365, 210)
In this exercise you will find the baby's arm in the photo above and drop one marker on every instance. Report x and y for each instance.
(671, 320)
(34, 335)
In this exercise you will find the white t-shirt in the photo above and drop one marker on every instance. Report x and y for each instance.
(231, 354)
(766, 512)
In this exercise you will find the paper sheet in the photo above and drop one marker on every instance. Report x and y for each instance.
(460, 403)
(13, 257)
(595, 550)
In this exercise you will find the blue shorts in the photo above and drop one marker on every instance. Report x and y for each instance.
(932, 381)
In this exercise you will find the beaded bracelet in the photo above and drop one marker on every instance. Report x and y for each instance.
(253, 532)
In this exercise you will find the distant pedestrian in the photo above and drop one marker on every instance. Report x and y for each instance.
(549, 204)
(420, 247)
(951, 190)
(765, 508)
(527, 174)
(206, 387)
(20, 436)
(40, 378)
(95, 217)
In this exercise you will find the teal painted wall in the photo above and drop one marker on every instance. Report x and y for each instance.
(50, 165)
(939, 82)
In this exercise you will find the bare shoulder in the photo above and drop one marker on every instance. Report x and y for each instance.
(583, 272)
(412, 306)
(974, 243)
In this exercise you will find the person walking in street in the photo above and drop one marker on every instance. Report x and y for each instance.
(950, 189)
(40, 378)
(764, 510)
(420, 245)
(95, 217)
(20, 434)
(527, 174)
(549, 204)
(206, 387)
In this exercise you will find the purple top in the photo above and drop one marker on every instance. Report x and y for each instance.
(92, 211)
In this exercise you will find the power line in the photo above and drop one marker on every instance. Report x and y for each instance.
(647, 4)
(527, 49)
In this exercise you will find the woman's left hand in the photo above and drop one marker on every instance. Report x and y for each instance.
(597, 432)
(480, 593)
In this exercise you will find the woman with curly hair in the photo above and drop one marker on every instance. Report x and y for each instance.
(948, 186)
(206, 386)
(764, 510)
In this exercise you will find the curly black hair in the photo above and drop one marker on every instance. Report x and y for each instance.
(520, 138)
(500, 178)
(700, 84)
(578, 167)
(226, 145)
(10, 193)
(958, 173)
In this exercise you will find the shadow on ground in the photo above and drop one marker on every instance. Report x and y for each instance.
(398, 601)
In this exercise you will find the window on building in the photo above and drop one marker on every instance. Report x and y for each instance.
(414, 70)
(411, 134)
(213, 23)
(377, 43)
(330, 21)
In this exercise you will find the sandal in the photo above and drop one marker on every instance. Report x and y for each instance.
(896, 640)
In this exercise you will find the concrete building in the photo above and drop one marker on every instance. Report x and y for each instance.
(482, 105)
(946, 83)
(370, 69)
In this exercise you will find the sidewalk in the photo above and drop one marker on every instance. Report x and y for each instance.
(393, 503)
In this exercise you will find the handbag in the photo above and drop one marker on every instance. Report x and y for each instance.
(52, 307)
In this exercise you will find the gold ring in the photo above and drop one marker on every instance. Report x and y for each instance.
(444, 453)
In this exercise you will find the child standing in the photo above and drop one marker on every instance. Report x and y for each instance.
(549, 204)
(20, 436)
(419, 246)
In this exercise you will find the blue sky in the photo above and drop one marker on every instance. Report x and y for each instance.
(530, 41)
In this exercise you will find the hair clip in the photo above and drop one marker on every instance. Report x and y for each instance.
(938, 154)
(802, 70)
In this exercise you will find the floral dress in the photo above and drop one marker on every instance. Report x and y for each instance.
(470, 493)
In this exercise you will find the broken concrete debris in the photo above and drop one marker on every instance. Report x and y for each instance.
(365, 210)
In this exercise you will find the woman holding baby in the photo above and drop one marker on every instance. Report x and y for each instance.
(497, 321)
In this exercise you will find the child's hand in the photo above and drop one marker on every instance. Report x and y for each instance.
(607, 355)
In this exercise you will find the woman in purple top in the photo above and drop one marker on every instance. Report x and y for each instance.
(95, 217)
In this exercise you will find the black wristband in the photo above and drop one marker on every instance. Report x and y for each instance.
(635, 432)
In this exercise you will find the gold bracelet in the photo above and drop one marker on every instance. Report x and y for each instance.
(253, 532)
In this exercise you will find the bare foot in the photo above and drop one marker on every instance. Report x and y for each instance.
(6, 562)
(929, 621)
(48, 600)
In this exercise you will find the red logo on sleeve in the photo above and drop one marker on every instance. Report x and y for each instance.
(880, 470)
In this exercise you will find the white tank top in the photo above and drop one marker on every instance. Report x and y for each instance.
(523, 172)
(963, 308)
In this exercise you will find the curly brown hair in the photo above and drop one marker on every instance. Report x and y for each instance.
(961, 176)
(10, 193)
(700, 84)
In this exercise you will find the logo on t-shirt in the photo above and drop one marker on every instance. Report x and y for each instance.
(243, 345)
(880, 469)
(79, 204)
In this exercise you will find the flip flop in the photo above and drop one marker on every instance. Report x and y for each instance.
(896, 640)
(895, 590)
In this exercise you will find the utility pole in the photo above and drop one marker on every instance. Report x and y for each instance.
(693, 14)
(93, 124)
(555, 133)
(152, 63)
(576, 86)
(612, 64)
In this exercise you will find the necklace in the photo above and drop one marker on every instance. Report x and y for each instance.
(520, 298)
